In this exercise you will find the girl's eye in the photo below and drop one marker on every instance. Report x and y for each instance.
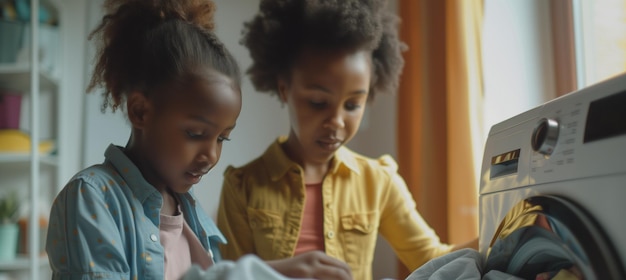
(317, 105)
(194, 134)
(352, 106)
(222, 139)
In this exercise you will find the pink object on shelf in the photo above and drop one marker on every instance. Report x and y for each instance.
(10, 105)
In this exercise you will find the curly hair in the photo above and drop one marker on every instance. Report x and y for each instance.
(145, 44)
(282, 28)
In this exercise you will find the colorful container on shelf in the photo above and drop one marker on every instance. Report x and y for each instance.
(10, 105)
(16, 141)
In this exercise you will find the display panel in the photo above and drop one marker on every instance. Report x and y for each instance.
(606, 118)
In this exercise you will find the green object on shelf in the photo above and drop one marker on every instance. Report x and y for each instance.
(8, 241)
(9, 229)
(9, 207)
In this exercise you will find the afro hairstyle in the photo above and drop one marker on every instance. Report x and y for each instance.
(282, 28)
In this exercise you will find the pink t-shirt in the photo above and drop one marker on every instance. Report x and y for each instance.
(312, 229)
(181, 246)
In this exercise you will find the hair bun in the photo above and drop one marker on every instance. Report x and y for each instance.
(196, 12)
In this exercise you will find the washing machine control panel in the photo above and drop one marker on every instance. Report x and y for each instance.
(569, 137)
(554, 140)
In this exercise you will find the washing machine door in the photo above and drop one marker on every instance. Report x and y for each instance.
(546, 237)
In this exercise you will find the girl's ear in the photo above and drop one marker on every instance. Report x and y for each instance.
(282, 89)
(138, 108)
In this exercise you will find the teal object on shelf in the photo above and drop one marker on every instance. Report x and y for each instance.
(8, 241)
(22, 7)
(12, 38)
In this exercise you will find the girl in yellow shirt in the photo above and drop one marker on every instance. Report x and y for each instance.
(324, 60)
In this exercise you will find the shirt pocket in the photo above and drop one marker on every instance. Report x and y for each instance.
(358, 233)
(266, 229)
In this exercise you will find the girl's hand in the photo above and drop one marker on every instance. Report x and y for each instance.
(313, 264)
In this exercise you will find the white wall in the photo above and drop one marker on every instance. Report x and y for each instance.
(100, 129)
(72, 89)
(517, 58)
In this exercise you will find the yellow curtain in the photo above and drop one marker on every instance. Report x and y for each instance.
(439, 133)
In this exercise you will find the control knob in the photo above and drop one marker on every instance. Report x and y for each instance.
(545, 136)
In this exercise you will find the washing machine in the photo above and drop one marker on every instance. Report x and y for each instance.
(552, 193)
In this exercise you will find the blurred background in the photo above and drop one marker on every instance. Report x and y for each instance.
(470, 64)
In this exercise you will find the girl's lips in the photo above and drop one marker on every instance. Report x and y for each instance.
(194, 178)
(330, 145)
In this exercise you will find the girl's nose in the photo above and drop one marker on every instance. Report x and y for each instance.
(210, 153)
(335, 120)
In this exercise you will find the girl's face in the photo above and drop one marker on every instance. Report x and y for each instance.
(326, 96)
(182, 137)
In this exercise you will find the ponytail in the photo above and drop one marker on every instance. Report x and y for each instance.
(144, 44)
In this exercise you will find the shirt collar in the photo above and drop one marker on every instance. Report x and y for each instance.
(345, 157)
(278, 163)
(212, 231)
(129, 171)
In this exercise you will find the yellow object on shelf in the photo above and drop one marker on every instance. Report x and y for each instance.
(16, 141)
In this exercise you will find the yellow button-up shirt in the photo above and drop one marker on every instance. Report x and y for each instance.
(262, 203)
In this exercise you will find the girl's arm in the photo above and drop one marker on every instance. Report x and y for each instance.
(413, 240)
(83, 240)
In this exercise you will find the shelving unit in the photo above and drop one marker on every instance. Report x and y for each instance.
(33, 174)
(17, 76)
(8, 158)
(21, 263)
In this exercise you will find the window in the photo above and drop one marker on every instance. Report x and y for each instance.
(600, 36)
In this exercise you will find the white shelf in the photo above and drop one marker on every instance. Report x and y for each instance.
(41, 111)
(21, 263)
(9, 158)
(17, 77)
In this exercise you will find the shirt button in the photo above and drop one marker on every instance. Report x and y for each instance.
(330, 235)
(153, 237)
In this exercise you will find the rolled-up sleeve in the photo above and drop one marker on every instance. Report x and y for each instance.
(83, 240)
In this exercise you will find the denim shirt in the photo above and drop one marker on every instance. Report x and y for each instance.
(105, 224)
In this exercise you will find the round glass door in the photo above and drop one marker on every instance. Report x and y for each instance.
(549, 237)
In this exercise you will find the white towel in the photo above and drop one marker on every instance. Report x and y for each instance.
(247, 267)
